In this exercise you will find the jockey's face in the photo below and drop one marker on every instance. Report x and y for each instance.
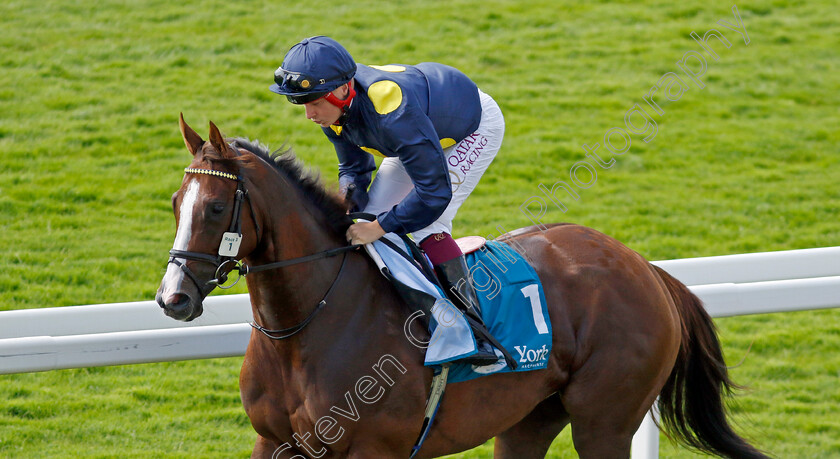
(322, 112)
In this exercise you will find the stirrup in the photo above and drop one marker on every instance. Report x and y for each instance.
(485, 354)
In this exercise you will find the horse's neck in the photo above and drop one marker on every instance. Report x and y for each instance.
(361, 319)
(283, 297)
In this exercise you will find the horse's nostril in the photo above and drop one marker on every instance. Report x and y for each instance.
(178, 306)
(179, 301)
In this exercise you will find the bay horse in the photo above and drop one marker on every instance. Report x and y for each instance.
(346, 381)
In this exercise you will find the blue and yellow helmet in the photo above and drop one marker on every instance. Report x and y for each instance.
(313, 68)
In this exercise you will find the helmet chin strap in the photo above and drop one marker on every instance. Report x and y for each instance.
(342, 104)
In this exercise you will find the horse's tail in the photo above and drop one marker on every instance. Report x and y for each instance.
(691, 404)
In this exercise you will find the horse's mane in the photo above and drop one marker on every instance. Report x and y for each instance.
(307, 180)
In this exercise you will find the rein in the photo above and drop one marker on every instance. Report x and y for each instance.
(291, 331)
(229, 248)
(245, 269)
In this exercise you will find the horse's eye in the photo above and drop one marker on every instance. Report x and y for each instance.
(218, 208)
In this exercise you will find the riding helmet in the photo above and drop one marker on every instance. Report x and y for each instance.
(312, 68)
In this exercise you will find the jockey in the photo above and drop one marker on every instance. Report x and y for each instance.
(436, 131)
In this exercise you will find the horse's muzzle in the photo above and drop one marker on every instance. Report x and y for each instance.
(180, 306)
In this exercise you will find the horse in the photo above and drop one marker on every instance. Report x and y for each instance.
(329, 371)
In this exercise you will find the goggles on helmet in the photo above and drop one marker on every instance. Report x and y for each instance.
(297, 86)
(296, 81)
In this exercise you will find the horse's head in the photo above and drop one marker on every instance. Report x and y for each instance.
(215, 225)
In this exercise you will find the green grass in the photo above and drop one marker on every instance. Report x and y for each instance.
(90, 94)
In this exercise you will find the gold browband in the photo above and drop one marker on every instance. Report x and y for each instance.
(212, 172)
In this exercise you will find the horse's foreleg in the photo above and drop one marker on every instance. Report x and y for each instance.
(264, 449)
(532, 436)
(267, 449)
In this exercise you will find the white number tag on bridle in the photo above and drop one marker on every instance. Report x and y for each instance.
(230, 244)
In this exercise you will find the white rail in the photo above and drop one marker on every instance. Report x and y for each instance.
(755, 267)
(116, 317)
(42, 353)
(126, 333)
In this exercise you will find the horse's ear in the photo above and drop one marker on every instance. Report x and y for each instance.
(218, 142)
(191, 139)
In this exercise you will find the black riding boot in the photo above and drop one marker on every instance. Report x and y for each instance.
(462, 293)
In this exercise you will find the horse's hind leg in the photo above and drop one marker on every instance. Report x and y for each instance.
(531, 437)
(606, 400)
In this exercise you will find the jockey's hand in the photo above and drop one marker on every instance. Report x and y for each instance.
(364, 232)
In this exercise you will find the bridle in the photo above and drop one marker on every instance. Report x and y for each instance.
(226, 255)
(229, 248)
